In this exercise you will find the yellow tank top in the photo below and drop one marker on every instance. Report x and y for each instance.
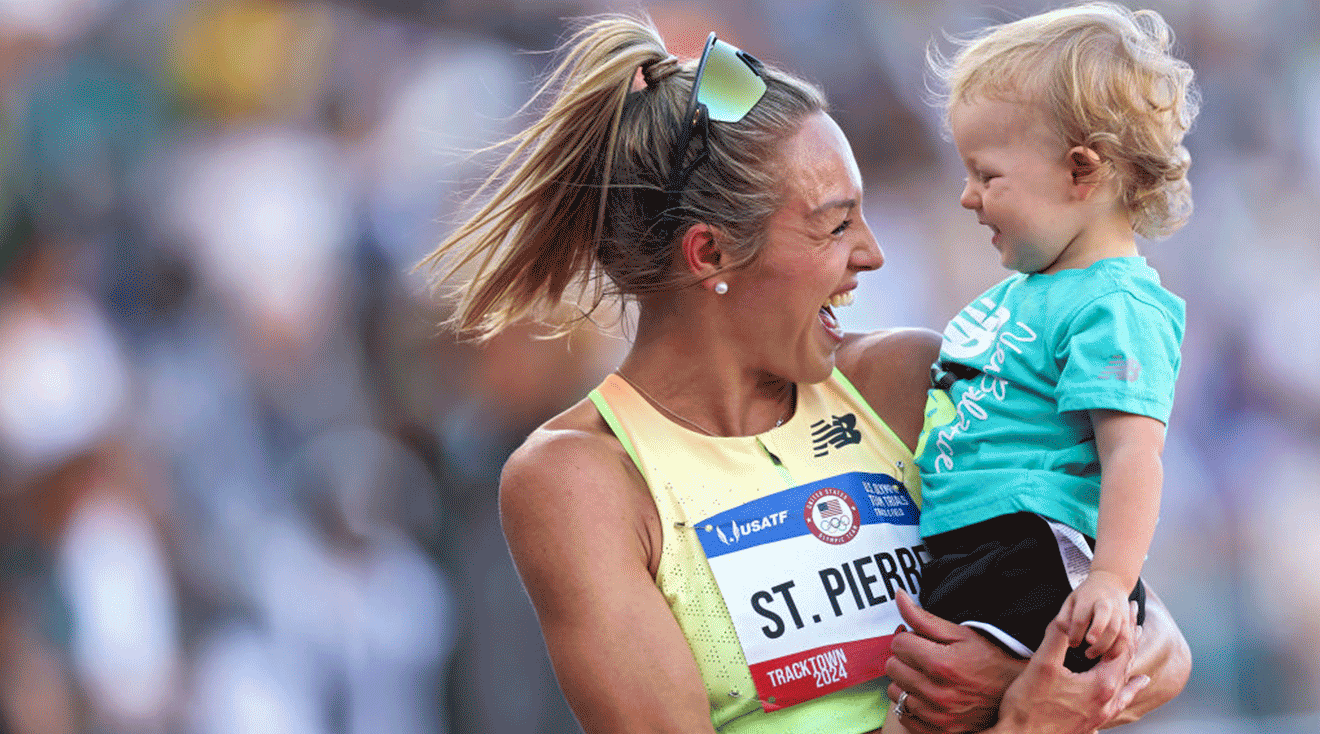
(692, 476)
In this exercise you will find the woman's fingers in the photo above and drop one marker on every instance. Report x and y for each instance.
(1055, 646)
(925, 624)
(936, 698)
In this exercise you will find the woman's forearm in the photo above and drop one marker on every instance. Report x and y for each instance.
(1162, 654)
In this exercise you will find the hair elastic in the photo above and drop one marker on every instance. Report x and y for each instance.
(659, 69)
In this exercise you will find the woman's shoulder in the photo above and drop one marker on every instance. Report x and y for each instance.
(572, 475)
(891, 369)
(884, 357)
(905, 342)
(574, 446)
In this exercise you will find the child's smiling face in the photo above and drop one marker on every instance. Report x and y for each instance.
(1019, 183)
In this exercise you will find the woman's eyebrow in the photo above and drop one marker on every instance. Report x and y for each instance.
(833, 204)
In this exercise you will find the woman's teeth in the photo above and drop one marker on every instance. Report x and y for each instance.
(839, 300)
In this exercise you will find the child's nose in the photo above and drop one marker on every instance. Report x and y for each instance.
(971, 197)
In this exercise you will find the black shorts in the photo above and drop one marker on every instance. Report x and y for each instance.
(1008, 577)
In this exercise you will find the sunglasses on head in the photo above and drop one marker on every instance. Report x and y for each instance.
(728, 84)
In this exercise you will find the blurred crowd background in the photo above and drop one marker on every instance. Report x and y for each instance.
(248, 486)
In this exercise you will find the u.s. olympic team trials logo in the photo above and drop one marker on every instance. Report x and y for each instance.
(832, 516)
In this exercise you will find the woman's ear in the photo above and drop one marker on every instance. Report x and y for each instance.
(701, 251)
(1088, 170)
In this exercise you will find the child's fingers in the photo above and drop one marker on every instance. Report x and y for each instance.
(1078, 622)
(1103, 623)
(1106, 629)
(1124, 633)
(1129, 635)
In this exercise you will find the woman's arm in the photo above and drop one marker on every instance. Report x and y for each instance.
(574, 514)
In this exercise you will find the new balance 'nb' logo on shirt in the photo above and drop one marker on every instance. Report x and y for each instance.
(1121, 368)
(836, 433)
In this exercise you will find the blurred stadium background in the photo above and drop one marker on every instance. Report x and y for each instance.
(247, 486)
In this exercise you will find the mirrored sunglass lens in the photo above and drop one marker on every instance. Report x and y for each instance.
(729, 88)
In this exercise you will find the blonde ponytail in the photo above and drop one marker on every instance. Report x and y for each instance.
(575, 197)
(535, 235)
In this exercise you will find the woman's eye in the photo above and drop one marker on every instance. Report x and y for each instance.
(842, 226)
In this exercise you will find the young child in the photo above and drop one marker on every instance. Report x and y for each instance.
(1040, 457)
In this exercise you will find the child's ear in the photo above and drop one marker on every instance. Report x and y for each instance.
(1088, 169)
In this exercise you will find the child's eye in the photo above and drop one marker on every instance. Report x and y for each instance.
(844, 225)
(985, 177)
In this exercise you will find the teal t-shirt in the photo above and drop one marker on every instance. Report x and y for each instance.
(1017, 437)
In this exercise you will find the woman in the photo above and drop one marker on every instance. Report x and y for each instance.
(729, 210)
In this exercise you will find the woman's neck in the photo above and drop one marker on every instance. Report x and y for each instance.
(692, 374)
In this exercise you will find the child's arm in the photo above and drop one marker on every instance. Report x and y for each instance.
(1131, 477)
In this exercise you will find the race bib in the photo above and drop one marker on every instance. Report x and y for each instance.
(809, 576)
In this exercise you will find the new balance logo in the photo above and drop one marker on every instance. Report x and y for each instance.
(1121, 368)
(834, 434)
(973, 332)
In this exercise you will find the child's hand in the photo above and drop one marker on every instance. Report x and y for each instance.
(1097, 613)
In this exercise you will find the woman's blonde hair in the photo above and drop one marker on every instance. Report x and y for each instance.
(581, 191)
(1106, 77)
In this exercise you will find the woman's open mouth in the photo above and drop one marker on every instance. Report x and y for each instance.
(827, 317)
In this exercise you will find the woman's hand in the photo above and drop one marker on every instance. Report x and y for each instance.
(954, 677)
(1050, 699)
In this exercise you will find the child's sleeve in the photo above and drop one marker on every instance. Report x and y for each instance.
(1121, 352)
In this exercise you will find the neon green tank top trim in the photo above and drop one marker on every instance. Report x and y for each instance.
(612, 421)
(692, 476)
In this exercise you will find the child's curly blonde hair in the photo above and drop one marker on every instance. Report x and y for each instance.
(1105, 76)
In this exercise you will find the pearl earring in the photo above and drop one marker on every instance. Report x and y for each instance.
(721, 287)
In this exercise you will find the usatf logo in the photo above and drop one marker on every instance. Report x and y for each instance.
(832, 516)
(834, 434)
(739, 529)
